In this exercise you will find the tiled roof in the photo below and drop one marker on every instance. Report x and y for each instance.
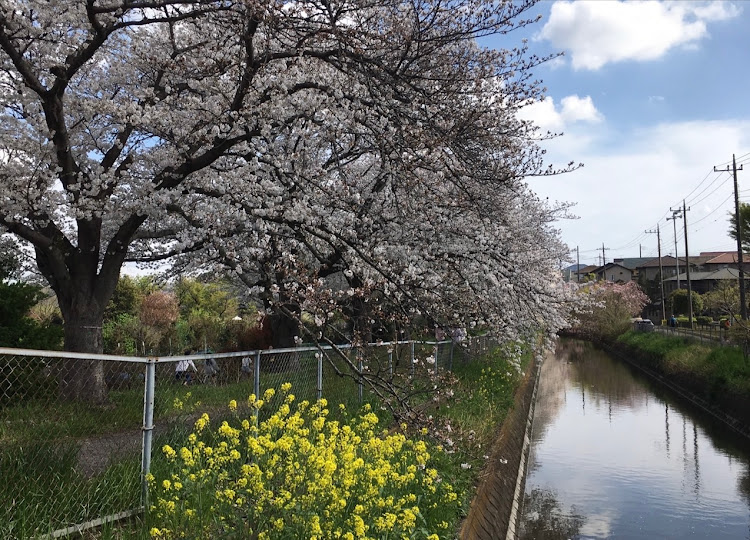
(722, 273)
(589, 269)
(665, 261)
(669, 261)
(724, 258)
(713, 253)
(617, 263)
(632, 263)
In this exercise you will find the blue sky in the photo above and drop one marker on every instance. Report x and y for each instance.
(650, 97)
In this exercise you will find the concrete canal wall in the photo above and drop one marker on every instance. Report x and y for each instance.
(493, 514)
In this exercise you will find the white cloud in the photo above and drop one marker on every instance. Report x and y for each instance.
(629, 182)
(572, 109)
(597, 33)
(716, 11)
(577, 109)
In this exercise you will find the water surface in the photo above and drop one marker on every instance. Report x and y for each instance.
(615, 456)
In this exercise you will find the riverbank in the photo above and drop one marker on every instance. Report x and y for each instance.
(494, 509)
(714, 378)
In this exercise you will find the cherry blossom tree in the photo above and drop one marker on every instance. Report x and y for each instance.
(606, 307)
(287, 140)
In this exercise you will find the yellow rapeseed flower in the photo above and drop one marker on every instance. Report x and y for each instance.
(299, 475)
(202, 422)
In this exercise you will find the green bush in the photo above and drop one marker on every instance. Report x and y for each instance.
(704, 320)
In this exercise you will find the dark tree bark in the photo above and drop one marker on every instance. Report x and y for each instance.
(284, 328)
(80, 379)
(82, 294)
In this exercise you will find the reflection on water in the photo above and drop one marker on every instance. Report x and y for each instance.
(626, 460)
(545, 520)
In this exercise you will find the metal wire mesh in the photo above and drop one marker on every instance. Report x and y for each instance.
(76, 436)
(63, 458)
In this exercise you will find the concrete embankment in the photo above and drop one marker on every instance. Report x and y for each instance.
(494, 511)
(731, 408)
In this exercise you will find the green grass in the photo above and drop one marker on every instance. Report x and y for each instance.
(483, 397)
(43, 490)
(719, 368)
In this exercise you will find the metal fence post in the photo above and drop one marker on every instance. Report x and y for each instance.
(450, 358)
(319, 356)
(256, 381)
(148, 427)
(411, 359)
(256, 375)
(390, 361)
(437, 349)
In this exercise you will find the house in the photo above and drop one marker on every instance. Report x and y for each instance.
(703, 282)
(633, 264)
(586, 270)
(615, 272)
(649, 270)
(725, 259)
(571, 272)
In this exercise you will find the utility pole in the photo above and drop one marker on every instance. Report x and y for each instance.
(604, 262)
(640, 251)
(687, 265)
(661, 273)
(738, 222)
(676, 214)
(578, 264)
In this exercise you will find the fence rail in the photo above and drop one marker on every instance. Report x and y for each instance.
(67, 462)
(708, 334)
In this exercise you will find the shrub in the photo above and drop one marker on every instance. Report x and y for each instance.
(299, 474)
(704, 320)
(255, 337)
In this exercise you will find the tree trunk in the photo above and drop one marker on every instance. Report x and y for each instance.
(284, 330)
(360, 320)
(83, 312)
(83, 380)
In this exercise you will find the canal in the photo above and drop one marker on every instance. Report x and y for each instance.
(613, 455)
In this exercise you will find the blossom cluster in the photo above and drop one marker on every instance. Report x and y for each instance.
(289, 143)
(299, 474)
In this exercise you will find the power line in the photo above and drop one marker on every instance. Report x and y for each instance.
(697, 198)
(711, 192)
(714, 210)
(699, 185)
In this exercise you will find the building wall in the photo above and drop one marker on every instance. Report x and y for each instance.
(650, 273)
(618, 273)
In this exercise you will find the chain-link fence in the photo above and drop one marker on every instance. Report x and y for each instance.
(77, 431)
(717, 334)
